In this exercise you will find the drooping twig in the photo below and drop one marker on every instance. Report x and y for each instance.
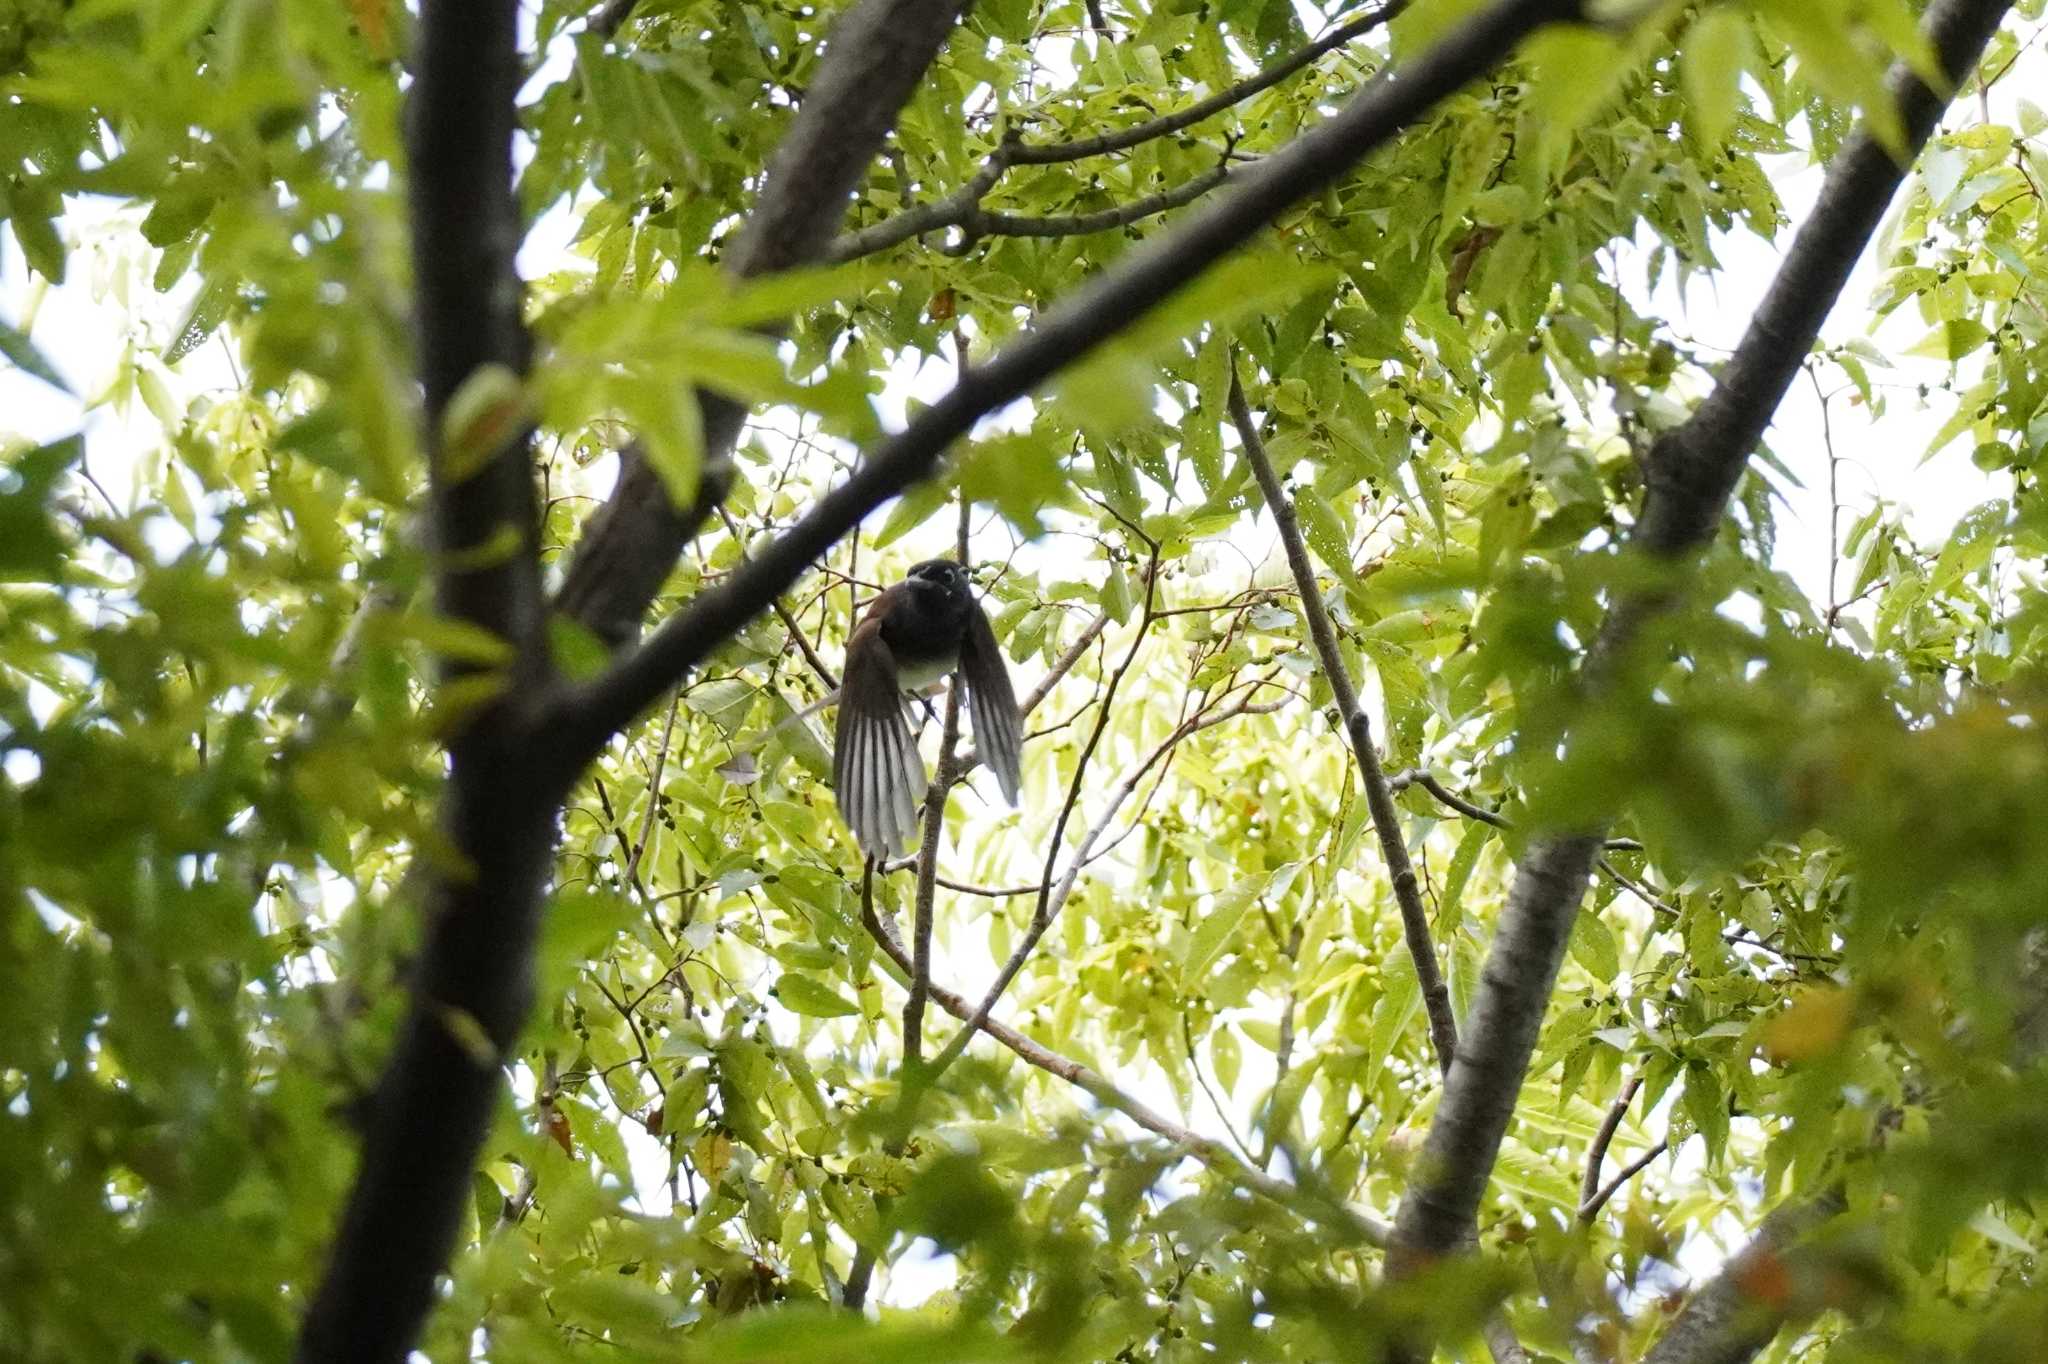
(1436, 997)
(1048, 905)
(668, 729)
(1352, 1223)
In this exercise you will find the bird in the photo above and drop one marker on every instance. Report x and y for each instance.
(914, 633)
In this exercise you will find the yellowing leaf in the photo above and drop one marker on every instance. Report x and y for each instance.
(1816, 1023)
(487, 412)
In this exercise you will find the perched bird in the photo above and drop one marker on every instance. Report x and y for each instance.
(914, 633)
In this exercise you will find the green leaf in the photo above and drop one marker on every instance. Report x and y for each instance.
(1593, 947)
(1219, 925)
(811, 997)
(24, 356)
(1714, 55)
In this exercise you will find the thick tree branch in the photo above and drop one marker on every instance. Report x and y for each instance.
(875, 58)
(1725, 1322)
(1092, 314)
(1693, 469)
(1386, 822)
(473, 978)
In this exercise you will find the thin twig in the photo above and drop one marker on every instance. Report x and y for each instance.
(1597, 1155)
(1416, 776)
(1590, 1209)
(962, 208)
(668, 730)
(1314, 1204)
(1436, 997)
(928, 854)
(1187, 1037)
(1050, 907)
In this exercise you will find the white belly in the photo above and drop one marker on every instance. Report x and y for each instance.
(916, 677)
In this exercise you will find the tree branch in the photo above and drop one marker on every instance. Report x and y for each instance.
(1265, 79)
(1314, 1205)
(1724, 1322)
(1596, 1155)
(1386, 823)
(1590, 1209)
(472, 981)
(1050, 902)
(1083, 320)
(876, 57)
(1693, 469)
(961, 207)
(943, 778)
(1451, 800)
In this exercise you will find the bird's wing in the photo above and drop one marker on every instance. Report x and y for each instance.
(998, 729)
(876, 770)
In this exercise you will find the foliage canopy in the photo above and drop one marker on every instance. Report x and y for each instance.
(1806, 975)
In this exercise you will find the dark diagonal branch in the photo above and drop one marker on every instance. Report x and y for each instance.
(875, 58)
(1692, 471)
(1597, 1200)
(1596, 1155)
(1092, 314)
(1386, 823)
(611, 17)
